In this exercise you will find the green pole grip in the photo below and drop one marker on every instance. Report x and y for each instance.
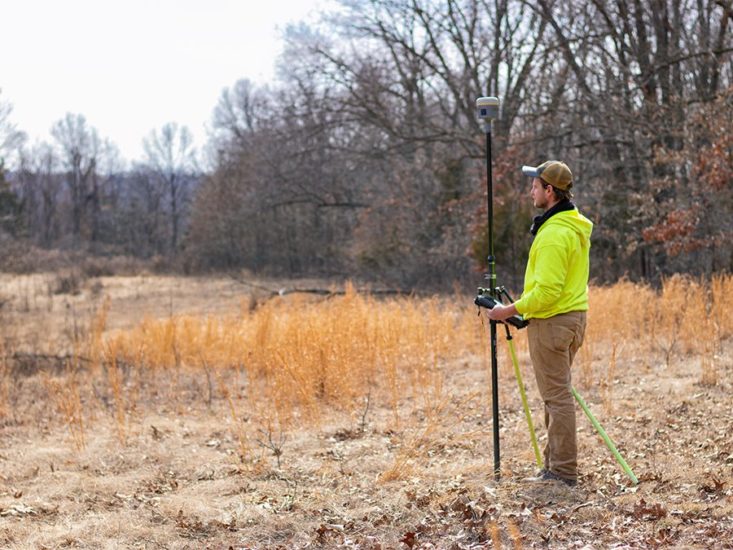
(527, 412)
(605, 437)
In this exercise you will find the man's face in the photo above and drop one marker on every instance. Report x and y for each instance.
(540, 195)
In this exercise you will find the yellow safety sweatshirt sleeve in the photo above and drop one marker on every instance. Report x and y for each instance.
(556, 278)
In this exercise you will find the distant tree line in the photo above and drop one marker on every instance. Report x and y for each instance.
(75, 193)
(365, 157)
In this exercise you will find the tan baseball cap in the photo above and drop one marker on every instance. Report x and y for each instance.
(554, 172)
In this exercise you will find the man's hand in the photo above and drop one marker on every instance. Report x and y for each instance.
(501, 312)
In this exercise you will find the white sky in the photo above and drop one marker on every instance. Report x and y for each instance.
(130, 66)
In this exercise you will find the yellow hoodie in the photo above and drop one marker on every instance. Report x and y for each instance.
(556, 278)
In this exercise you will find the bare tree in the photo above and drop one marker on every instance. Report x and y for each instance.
(10, 142)
(170, 157)
(242, 110)
(80, 149)
(11, 139)
(41, 183)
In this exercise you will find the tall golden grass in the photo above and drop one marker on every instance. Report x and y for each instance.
(296, 358)
(295, 361)
(687, 320)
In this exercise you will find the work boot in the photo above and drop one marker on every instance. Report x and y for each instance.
(547, 475)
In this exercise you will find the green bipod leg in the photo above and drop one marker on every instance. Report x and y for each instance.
(527, 412)
(605, 437)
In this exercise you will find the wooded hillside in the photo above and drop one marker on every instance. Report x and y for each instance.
(365, 158)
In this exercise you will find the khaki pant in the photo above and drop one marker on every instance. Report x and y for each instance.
(553, 344)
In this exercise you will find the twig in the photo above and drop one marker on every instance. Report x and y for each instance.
(276, 448)
(579, 506)
(207, 370)
(362, 424)
(289, 500)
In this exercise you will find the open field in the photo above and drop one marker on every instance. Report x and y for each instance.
(152, 412)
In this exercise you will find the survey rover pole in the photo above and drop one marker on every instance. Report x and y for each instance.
(492, 283)
(488, 109)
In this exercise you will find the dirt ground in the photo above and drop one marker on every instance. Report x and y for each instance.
(182, 478)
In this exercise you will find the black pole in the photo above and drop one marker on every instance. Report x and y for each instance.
(494, 294)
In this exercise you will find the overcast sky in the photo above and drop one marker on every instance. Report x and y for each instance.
(130, 66)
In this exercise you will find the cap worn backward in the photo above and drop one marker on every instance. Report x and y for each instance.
(554, 172)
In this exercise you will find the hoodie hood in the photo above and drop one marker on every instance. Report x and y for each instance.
(574, 220)
(561, 206)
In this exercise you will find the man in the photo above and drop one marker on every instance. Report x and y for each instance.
(555, 298)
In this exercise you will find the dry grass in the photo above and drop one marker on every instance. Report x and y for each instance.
(181, 417)
(302, 359)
